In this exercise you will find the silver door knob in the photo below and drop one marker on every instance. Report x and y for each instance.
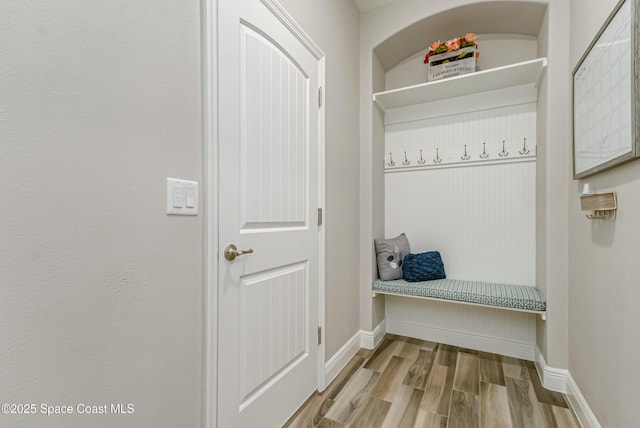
(231, 252)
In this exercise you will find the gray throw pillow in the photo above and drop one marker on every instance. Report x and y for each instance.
(389, 254)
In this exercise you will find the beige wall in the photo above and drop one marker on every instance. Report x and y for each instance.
(553, 172)
(603, 255)
(101, 291)
(378, 195)
(334, 26)
(541, 185)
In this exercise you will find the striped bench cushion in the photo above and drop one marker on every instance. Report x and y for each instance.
(484, 293)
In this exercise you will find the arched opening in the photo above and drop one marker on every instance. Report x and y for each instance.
(510, 32)
(493, 17)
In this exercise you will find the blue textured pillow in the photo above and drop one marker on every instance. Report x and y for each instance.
(423, 267)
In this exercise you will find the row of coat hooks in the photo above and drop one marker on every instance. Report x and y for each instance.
(465, 155)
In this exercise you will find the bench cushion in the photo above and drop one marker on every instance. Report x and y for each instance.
(484, 293)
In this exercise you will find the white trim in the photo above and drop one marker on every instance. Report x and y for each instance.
(371, 339)
(322, 383)
(340, 359)
(560, 380)
(580, 406)
(209, 207)
(458, 164)
(520, 350)
(551, 377)
(279, 12)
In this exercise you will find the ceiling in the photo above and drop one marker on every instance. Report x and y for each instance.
(366, 5)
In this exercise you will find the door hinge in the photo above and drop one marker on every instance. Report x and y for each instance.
(319, 335)
(320, 97)
(319, 216)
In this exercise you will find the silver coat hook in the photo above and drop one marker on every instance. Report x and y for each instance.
(466, 156)
(421, 161)
(406, 161)
(484, 153)
(391, 162)
(503, 153)
(524, 150)
(437, 159)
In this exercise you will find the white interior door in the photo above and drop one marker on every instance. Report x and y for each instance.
(268, 200)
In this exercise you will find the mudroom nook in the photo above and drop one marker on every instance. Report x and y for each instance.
(459, 172)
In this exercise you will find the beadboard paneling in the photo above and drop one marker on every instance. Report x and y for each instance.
(449, 134)
(480, 217)
(272, 325)
(486, 329)
(272, 82)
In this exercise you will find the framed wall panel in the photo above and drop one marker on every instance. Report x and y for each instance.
(605, 88)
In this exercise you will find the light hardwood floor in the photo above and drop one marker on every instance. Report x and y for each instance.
(408, 383)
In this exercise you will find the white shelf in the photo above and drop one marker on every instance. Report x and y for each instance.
(523, 73)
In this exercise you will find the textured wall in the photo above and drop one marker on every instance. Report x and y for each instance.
(603, 280)
(101, 291)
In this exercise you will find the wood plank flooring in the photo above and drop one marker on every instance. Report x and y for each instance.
(410, 383)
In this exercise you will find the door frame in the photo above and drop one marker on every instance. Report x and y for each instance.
(209, 70)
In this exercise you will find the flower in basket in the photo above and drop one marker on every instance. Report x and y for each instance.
(439, 47)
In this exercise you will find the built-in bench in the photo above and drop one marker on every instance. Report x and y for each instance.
(502, 296)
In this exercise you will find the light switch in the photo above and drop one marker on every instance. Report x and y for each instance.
(182, 197)
(190, 197)
(178, 197)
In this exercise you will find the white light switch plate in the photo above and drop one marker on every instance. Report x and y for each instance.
(182, 197)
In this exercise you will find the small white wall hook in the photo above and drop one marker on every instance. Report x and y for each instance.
(391, 162)
(524, 150)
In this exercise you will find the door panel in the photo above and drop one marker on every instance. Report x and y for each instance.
(273, 309)
(274, 93)
(268, 166)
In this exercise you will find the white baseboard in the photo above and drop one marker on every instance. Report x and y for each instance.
(560, 380)
(362, 339)
(551, 377)
(521, 350)
(370, 339)
(580, 406)
(339, 360)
